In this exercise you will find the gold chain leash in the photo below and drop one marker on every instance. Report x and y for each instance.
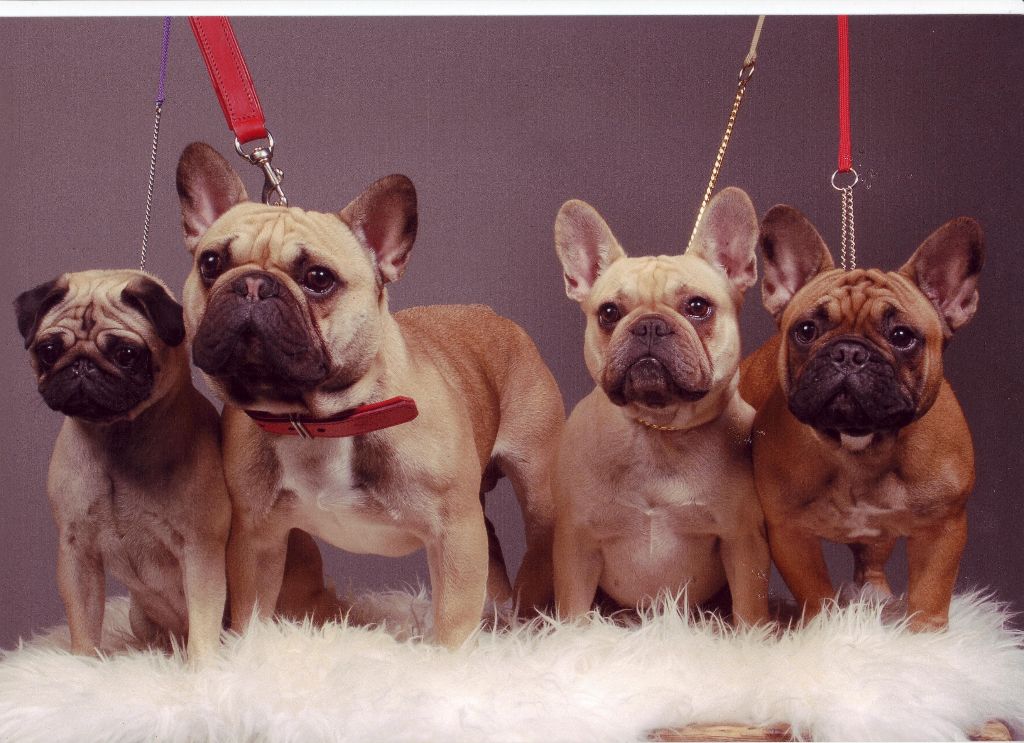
(746, 72)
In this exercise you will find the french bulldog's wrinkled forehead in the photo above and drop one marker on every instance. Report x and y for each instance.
(660, 279)
(862, 294)
(253, 229)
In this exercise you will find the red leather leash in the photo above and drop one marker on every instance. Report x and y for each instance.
(353, 422)
(230, 77)
(237, 95)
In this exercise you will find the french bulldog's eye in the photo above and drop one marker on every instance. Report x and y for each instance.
(211, 265)
(127, 356)
(902, 337)
(805, 332)
(49, 351)
(319, 280)
(608, 314)
(698, 307)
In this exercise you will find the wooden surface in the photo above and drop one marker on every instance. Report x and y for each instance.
(992, 730)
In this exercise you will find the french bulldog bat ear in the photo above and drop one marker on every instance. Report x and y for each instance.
(585, 246)
(794, 253)
(383, 218)
(155, 303)
(727, 237)
(207, 187)
(31, 306)
(946, 266)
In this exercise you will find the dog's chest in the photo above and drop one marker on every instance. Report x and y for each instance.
(852, 509)
(142, 548)
(333, 492)
(652, 509)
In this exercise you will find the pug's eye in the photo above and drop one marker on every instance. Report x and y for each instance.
(608, 314)
(211, 265)
(805, 332)
(49, 351)
(127, 356)
(698, 307)
(319, 280)
(902, 337)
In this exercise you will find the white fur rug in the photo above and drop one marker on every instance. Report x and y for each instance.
(847, 676)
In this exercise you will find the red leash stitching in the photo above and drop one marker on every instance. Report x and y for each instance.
(845, 156)
(230, 76)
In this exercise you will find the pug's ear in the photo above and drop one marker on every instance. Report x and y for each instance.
(384, 219)
(726, 237)
(946, 267)
(30, 307)
(794, 253)
(154, 302)
(207, 187)
(585, 245)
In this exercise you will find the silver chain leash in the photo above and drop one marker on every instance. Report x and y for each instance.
(149, 188)
(847, 236)
(160, 98)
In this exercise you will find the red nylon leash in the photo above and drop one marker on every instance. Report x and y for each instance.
(847, 246)
(845, 156)
(236, 93)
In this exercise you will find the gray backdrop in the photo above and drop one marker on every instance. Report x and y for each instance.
(498, 121)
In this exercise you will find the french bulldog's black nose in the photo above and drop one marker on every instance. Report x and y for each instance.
(82, 366)
(849, 355)
(651, 327)
(255, 286)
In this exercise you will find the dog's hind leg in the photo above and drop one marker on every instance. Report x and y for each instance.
(499, 587)
(532, 418)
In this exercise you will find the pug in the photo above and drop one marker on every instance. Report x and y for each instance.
(376, 432)
(653, 482)
(859, 437)
(135, 481)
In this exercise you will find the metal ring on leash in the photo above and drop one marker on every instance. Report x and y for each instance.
(856, 180)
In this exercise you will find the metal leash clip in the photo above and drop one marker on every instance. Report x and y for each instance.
(272, 177)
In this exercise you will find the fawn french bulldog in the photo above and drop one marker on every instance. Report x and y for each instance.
(858, 436)
(654, 489)
(288, 312)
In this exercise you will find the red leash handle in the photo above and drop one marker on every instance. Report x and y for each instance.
(230, 77)
(845, 156)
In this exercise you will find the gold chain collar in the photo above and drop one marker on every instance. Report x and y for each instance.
(656, 427)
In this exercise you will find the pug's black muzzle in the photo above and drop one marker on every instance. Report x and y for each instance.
(82, 389)
(253, 338)
(849, 387)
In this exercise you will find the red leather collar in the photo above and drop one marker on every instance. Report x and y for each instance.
(352, 422)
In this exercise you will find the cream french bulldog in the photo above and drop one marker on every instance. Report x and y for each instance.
(654, 488)
(288, 314)
(135, 480)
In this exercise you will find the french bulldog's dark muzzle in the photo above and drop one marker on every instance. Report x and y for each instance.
(849, 387)
(254, 338)
(84, 388)
(655, 366)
